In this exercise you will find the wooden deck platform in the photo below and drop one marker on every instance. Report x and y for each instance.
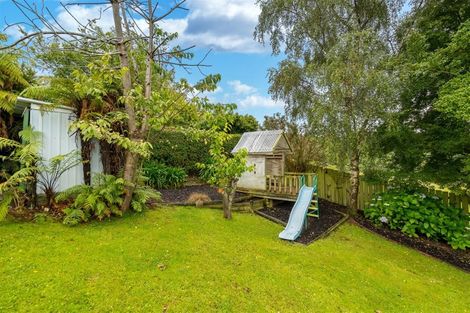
(269, 195)
(283, 188)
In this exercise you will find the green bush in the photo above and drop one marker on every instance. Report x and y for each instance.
(101, 199)
(178, 149)
(161, 176)
(417, 214)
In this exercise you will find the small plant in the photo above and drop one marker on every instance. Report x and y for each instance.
(198, 198)
(52, 170)
(224, 170)
(41, 217)
(102, 199)
(161, 176)
(417, 214)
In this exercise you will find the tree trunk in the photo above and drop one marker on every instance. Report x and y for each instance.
(86, 159)
(130, 169)
(227, 206)
(3, 127)
(130, 166)
(353, 203)
(228, 195)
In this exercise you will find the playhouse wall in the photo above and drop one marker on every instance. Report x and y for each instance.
(57, 139)
(255, 179)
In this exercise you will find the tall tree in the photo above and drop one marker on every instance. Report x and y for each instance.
(334, 75)
(430, 142)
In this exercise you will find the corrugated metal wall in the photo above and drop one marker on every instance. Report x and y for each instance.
(56, 139)
(96, 165)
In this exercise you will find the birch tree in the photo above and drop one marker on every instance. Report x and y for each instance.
(334, 75)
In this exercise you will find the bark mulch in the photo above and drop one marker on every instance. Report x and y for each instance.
(181, 195)
(330, 216)
(438, 250)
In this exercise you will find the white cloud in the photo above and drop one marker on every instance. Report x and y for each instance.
(225, 25)
(14, 32)
(102, 14)
(257, 100)
(247, 96)
(174, 25)
(241, 88)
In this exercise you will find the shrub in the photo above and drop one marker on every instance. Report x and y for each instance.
(102, 199)
(417, 214)
(161, 176)
(198, 197)
(13, 185)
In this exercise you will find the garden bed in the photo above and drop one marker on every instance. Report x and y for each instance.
(331, 216)
(438, 250)
(181, 195)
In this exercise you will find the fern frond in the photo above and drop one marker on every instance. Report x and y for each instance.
(5, 202)
(10, 71)
(8, 143)
(44, 93)
(7, 101)
(71, 192)
(21, 176)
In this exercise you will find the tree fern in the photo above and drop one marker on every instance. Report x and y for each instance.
(52, 170)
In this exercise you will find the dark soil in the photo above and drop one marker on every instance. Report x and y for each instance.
(29, 214)
(180, 195)
(438, 250)
(317, 227)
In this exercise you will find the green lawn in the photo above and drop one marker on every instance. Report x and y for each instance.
(188, 260)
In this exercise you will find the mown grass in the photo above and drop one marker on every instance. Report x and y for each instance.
(191, 260)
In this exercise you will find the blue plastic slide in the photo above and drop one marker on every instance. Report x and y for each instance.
(298, 215)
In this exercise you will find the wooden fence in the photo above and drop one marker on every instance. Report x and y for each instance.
(289, 184)
(333, 185)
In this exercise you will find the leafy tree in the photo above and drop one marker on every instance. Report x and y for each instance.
(243, 123)
(334, 75)
(224, 170)
(430, 142)
(92, 90)
(275, 122)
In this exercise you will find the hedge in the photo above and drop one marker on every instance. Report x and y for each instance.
(178, 149)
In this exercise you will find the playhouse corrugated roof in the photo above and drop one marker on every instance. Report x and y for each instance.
(261, 141)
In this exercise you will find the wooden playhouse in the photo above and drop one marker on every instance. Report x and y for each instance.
(267, 152)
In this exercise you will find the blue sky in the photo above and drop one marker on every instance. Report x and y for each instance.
(224, 26)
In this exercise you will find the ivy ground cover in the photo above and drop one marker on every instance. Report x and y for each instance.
(188, 260)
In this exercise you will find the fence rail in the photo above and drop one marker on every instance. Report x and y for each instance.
(288, 184)
(333, 185)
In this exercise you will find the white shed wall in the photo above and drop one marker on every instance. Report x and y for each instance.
(56, 139)
(96, 164)
(255, 179)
